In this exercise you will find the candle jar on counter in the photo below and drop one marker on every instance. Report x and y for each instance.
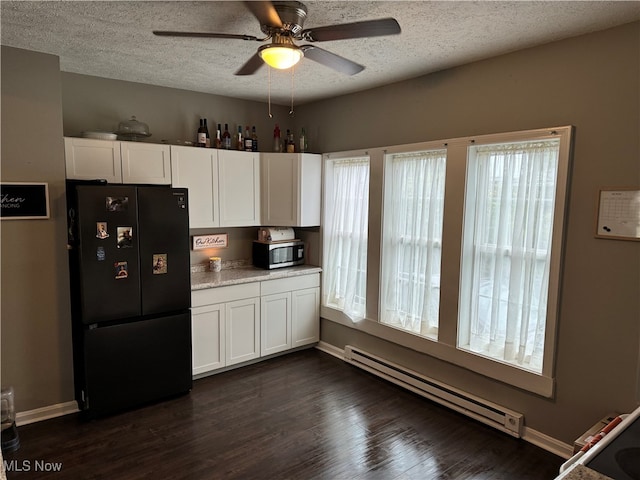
(215, 264)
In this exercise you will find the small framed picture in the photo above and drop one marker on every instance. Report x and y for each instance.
(117, 204)
(159, 263)
(125, 237)
(101, 230)
(122, 270)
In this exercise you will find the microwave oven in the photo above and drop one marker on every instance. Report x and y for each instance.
(278, 254)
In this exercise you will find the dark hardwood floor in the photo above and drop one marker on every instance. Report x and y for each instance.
(305, 415)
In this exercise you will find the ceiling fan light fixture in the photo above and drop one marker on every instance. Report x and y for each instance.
(280, 56)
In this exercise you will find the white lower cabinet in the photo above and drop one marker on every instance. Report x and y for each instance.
(290, 312)
(275, 323)
(242, 330)
(225, 326)
(238, 323)
(208, 338)
(305, 308)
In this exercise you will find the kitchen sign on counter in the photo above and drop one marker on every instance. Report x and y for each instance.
(20, 201)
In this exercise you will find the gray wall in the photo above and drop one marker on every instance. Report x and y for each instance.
(94, 103)
(36, 333)
(591, 82)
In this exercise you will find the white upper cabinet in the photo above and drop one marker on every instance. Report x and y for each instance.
(291, 189)
(117, 162)
(197, 170)
(239, 188)
(224, 185)
(145, 163)
(88, 159)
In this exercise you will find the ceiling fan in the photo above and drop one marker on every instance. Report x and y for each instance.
(282, 22)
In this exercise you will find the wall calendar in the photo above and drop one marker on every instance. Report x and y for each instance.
(619, 214)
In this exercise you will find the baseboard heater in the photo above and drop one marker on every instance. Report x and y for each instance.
(482, 410)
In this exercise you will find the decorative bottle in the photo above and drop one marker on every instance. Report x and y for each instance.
(226, 138)
(277, 146)
(291, 146)
(207, 138)
(201, 139)
(254, 139)
(239, 140)
(248, 140)
(218, 142)
(303, 141)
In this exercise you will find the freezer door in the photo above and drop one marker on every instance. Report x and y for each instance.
(107, 274)
(133, 363)
(165, 272)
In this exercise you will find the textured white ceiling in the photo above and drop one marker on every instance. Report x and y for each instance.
(114, 40)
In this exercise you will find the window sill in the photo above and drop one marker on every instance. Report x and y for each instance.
(529, 381)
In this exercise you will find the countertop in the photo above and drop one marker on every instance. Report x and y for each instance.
(580, 472)
(235, 276)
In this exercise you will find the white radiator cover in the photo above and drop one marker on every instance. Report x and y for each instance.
(475, 407)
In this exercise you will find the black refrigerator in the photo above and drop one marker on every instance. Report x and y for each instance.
(131, 294)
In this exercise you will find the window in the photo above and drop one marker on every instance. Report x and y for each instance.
(412, 241)
(464, 240)
(346, 223)
(508, 229)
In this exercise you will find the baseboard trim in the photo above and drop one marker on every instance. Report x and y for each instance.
(529, 435)
(547, 443)
(330, 349)
(45, 413)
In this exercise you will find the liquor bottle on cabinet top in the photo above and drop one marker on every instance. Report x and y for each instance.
(291, 146)
(201, 138)
(239, 140)
(207, 140)
(303, 141)
(248, 140)
(218, 141)
(254, 139)
(277, 146)
(226, 138)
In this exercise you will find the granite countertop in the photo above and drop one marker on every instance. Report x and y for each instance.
(235, 276)
(580, 472)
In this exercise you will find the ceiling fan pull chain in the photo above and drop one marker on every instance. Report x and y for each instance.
(269, 91)
(291, 112)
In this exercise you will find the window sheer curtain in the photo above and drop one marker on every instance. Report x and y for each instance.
(345, 236)
(507, 251)
(412, 241)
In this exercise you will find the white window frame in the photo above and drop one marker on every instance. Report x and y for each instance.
(387, 238)
(445, 347)
(328, 161)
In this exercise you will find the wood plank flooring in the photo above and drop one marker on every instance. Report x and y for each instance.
(305, 415)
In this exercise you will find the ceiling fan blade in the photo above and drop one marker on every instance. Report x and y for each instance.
(265, 13)
(163, 33)
(251, 66)
(367, 28)
(331, 60)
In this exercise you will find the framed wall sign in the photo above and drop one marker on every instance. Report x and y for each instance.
(20, 201)
(619, 214)
(218, 240)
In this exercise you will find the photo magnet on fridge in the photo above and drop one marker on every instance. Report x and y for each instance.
(100, 254)
(122, 270)
(159, 263)
(117, 204)
(101, 230)
(125, 237)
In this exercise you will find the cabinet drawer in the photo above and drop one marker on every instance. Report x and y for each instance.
(229, 293)
(289, 284)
